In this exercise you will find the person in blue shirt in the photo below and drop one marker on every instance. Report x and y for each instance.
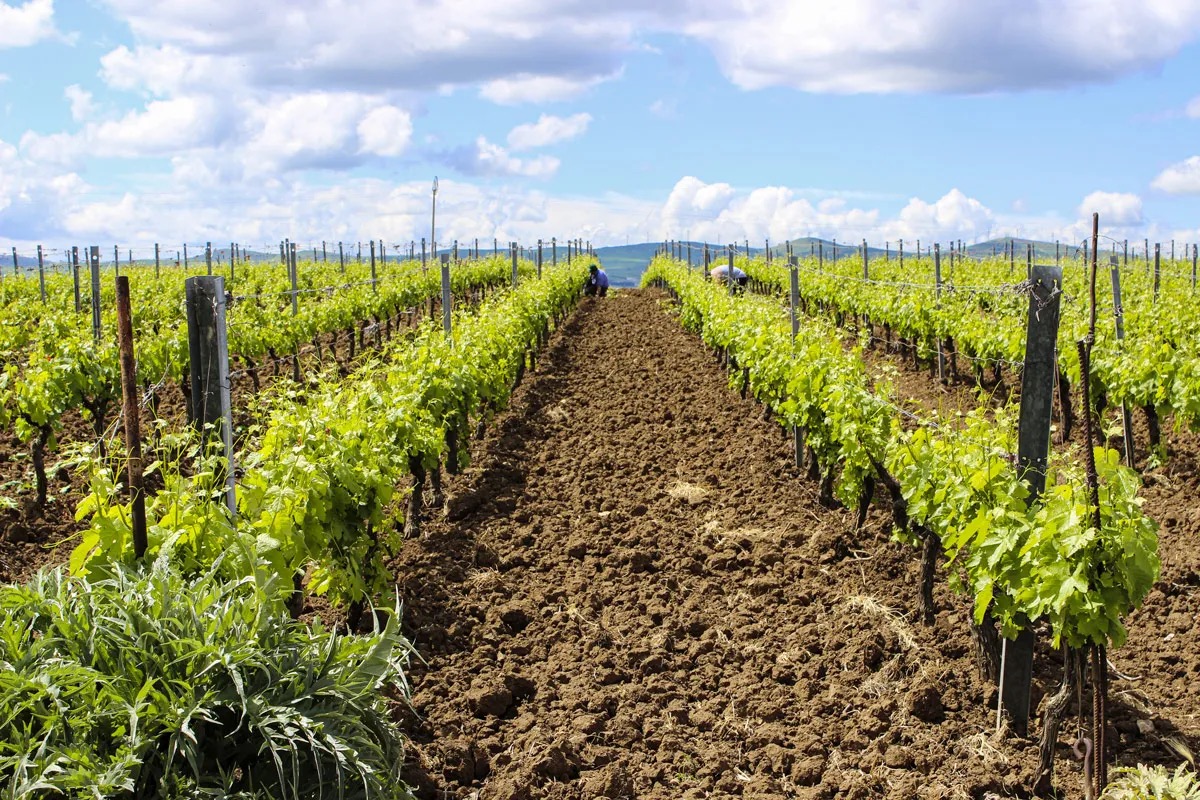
(721, 275)
(597, 282)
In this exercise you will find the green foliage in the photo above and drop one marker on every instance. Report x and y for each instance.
(1152, 783)
(146, 684)
(1020, 562)
(320, 492)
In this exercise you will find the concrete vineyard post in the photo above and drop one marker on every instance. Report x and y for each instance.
(41, 274)
(866, 269)
(1119, 323)
(553, 251)
(424, 264)
(539, 260)
(208, 256)
(324, 253)
(820, 256)
(689, 256)
(342, 257)
(1126, 260)
(116, 260)
(513, 253)
(129, 406)
(208, 349)
(16, 267)
(185, 256)
(901, 253)
(156, 259)
(94, 263)
(1033, 450)
(1195, 254)
(447, 298)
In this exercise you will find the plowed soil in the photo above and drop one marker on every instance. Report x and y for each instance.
(635, 595)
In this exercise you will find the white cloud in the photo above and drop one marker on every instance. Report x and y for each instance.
(933, 45)
(385, 131)
(81, 100)
(954, 215)
(539, 88)
(164, 127)
(1193, 108)
(663, 109)
(167, 69)
(1181, 178)
(27, 23)
(547, 130)
(492, 159)
(1116, 209)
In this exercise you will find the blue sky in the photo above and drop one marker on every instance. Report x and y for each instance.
(126, 122)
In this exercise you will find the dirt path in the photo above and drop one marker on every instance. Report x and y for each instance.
(636, 597)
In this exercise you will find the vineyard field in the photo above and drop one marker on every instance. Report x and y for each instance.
(636, 595)
(631, 590)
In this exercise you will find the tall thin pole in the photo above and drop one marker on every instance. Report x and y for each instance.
(433, 222)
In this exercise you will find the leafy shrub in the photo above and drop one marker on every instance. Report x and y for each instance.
(146, 684)
(1152, 783)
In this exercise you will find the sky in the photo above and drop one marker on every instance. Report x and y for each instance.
(126, 122)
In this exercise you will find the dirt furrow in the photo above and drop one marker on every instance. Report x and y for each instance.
(635, 596)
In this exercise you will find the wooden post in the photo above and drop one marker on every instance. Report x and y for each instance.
(292, 276)
(513, 252)
(1033, 451)
(129, 405)
(1157, 267)
(794, 303)
(1119, 322)
(937, 293)
(1195, 252)
(208, 349)
(820, 256)
(41, 274)
(424, 265)
(374, 282)
(729, 274)
(448, 298)
(75, 278)
(95, 268)
(900, 252)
